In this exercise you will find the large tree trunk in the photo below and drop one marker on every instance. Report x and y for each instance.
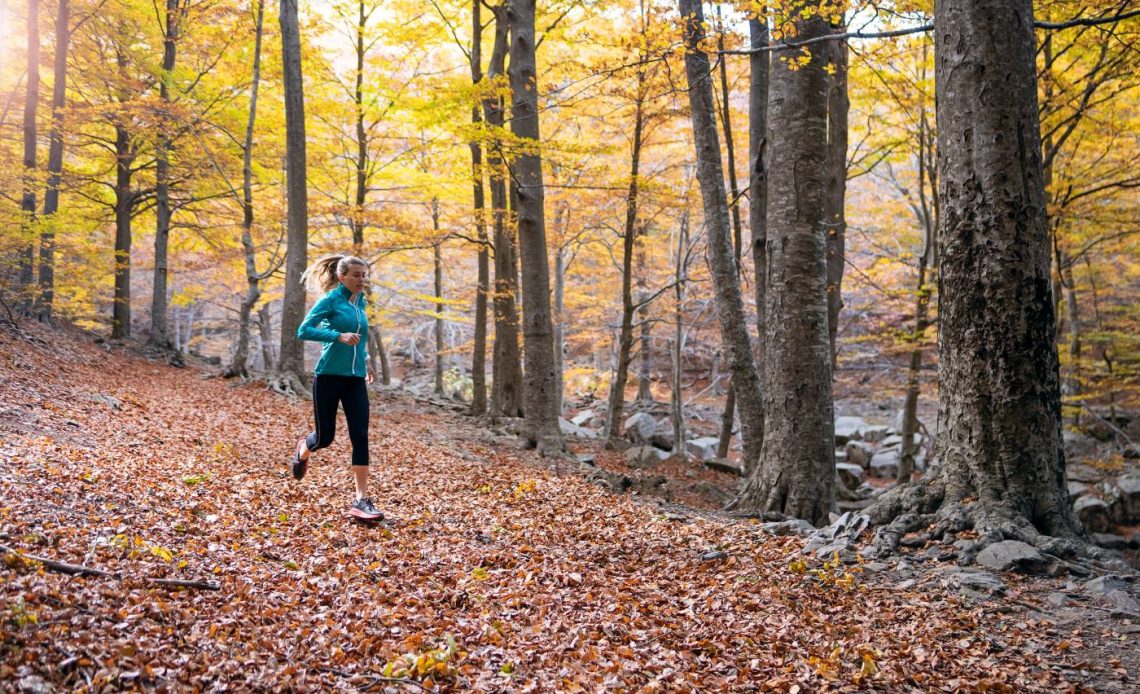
(541, 412)
(629, 238)
(999, 441)
(726, 280)
(834, 218)
(291, 361)
(506, 376)
(265, 332)
(796, 474)
(28, 199)
(46, 296)
(124, 206)
(479, 356)
(253, 279)
(158, 336)
(757, 164)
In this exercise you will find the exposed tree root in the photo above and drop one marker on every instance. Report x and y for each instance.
(288, 384)
(80, 570)
(923, 507)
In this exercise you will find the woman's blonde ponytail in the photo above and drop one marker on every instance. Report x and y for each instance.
(324, 272)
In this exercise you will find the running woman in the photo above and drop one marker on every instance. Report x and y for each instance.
(341, 376)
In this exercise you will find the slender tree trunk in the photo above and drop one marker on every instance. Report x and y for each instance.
(834, 218)
(28, 200)
(361, 163)
(541, 401)
(158, 336)
(728, 419)
(253, 279)
(1002, 464)
(726, 280)
(437, 308)
(46, 296)
(561, 222)
(124, 206)
(629, 238)
(644, 380)
(265, 331)
(380, 350)
(291, 363)
(796, 474)
(680, 271)
(927, 260)
(507, 377)
(479, 357)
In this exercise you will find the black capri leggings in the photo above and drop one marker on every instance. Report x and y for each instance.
(328, 391)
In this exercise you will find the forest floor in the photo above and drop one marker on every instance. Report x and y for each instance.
(497, 570)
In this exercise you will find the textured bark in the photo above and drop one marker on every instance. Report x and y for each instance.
(562, 223)
(541, 415)
(46, 296)
(680, 272)
(265, 332)
(158, 336)
(506, 367)
(728, 418)
(836, 221)
(999, 396)
(124, 207)
(616, 407)
(291, 360)
(479, 355)
(28, 199)
(726, 280)
(253, 279)
(361, 162)
(796, 473)
(758, 170)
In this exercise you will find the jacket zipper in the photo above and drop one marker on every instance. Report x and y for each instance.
(356, 310)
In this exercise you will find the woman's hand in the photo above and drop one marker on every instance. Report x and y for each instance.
(371, 376)
(349, 338)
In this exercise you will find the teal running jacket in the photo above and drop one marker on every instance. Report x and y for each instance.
(332, 315)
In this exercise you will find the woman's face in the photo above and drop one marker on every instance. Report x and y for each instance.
(355, 278)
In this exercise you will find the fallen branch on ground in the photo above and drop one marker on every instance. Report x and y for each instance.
(80, 570)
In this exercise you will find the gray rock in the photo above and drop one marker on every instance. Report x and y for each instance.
(1080, 472)
(827, 550)
(1122, 600)
(850, 475)
(1131, 451)
(885, 464)
(640, 427)
(1103, 585)
(1077, 490)
(711, 490)
(587, 459)
(981, 581)
(1093, 513)
(905, 585)
(644, 456)
(892, 441)
(1126, 506)
(703, 448)
(848, 428)
(1077, 445)
(571, 429)
(859, 453)
(1011, 555)
(582, 417)
(663, 440)
(795, 526)
(1109, 541)
(875, 433)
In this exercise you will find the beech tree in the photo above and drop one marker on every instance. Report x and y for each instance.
(721, 252)
(796, 472)
(1001, 462)
(291, 357)
(541, 413)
